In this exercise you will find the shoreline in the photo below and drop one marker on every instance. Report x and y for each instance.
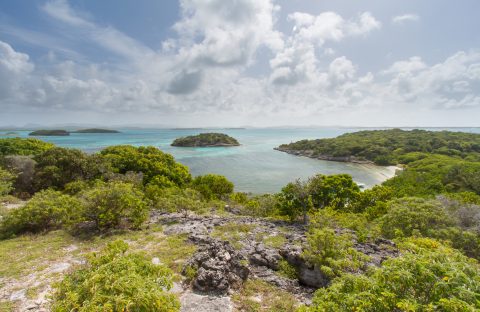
(383, 173)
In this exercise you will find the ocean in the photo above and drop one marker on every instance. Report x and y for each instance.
(253, 167)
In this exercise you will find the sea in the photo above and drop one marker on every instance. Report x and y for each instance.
(254, 166)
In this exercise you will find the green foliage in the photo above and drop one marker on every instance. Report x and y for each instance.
(287, 270)
(409, 216)
(157, 167)
(300, 197)
(372, 200)
(432, 218)
(46, 210)
(337, 191)
(24, 147)
(294, 200)
(175, 199)
(390, 146)
(436, 174)
(427, 277)
(333, 253)
(114, 205)
(213, 186)
(6, 182)
(58, 166)
(206, 139)
(116, 281)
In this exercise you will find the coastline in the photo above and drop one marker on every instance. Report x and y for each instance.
(382, 173)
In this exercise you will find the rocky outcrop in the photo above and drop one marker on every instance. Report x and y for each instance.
(219, 267)
(308, 274)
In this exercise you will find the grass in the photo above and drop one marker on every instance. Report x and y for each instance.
(275, 241)
(259, 296)
(233, 233)
(7, 306)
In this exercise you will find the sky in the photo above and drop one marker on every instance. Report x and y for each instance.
(233, 63)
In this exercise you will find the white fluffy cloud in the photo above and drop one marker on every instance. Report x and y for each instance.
(297, 62)
(202, 70)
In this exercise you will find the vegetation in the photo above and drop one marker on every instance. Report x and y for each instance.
(206, 140)
(23, 147)
(213, 186)
(46, 210)
(96, 130)
(428, 277)
(49, 133)
(114, 280)
(158, 168)
(386, 147)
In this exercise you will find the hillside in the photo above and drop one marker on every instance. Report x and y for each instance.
(386, 147)
(206, 140)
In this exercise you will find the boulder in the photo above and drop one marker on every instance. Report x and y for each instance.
(219, 267)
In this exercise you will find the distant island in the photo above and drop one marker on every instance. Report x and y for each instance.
(49, 133)
(96, 130)
(386, 147)
(206, 140)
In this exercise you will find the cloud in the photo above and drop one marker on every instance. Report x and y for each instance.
(298, 62)
(401, 19)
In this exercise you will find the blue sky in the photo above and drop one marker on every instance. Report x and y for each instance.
(240, 62)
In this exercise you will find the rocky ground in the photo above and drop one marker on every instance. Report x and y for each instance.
(219, 258)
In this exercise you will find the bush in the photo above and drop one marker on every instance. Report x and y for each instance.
(24, 147)
(157, 167)
(428, 277)
(6, 182)
(114, 280)
(114, 205)
(213, 186)
(47, 210)
(407, 216)
(333, 253)
(24, 168)
(58, 166)
(175, 199)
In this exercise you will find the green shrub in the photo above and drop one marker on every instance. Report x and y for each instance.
(175, 199)
(46, 210)
(114, 205)
(6, 182)
(333, 253)
(428, 277)
(213, 186)
(24, 147)
(287, 270)
(58, 166)
(116, 281)
(409, 215)
(157, 167)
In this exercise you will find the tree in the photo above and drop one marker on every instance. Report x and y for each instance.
(295, 200)
(213, 186)
(6, 181)
(24, 147)
(337, 191)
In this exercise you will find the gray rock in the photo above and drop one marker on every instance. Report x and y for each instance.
(219, 267)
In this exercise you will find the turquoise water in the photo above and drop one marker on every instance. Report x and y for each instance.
(254, 166)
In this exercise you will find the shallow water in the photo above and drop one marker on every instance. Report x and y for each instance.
(254, 166)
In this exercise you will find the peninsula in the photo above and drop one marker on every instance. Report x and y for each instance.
(206, 140)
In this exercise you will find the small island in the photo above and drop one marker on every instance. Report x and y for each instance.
(49, 133)
(96, 130)
(206, 140)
